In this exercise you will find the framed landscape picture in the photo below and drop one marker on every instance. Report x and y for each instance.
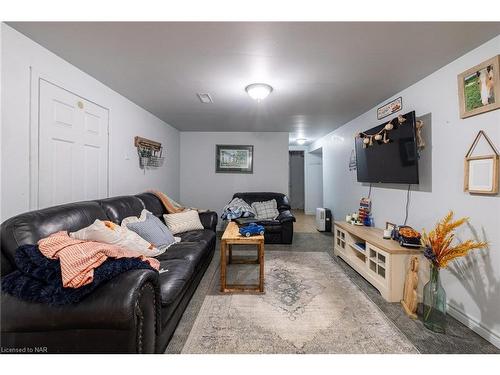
(479, 88)
(234, 159)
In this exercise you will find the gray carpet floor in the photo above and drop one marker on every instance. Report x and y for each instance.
(458, 339)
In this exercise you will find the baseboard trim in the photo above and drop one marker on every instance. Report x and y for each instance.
(473, 324)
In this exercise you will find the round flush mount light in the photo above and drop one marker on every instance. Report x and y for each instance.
(301, 141)
(258, 91)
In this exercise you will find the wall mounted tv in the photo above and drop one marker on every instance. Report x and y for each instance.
(392, 162)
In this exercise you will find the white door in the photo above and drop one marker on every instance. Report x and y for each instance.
(73, 148)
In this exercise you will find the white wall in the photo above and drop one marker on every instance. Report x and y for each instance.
(202, 187)
(474, 292)
(126, 121)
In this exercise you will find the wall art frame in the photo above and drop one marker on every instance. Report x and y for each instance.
(481, 172)
(234, 159)
(479, 88)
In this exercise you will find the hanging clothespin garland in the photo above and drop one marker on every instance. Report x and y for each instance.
(420, 141)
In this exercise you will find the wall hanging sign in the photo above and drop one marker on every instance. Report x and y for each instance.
(390, 108)
(150, 152)
(481, 172)
(234, 159)
(479, 88)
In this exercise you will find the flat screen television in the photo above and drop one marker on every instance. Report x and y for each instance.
(392, 162)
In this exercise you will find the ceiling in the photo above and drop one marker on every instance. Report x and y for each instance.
(323, 74)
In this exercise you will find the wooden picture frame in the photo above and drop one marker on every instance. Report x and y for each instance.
(481, 172)
(479, 88)
(234, 159)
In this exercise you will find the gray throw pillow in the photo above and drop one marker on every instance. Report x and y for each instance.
(266, 210)
(154, 231)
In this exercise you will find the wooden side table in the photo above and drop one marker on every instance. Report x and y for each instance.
(232, 237)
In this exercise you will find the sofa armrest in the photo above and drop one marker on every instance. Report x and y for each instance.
(129, 303)
(285, 216)
(209, 220)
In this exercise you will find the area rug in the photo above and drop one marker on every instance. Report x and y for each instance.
(310, 306)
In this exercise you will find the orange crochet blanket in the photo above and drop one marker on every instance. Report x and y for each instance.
(170, 205)
(80, 258)
(165, 200)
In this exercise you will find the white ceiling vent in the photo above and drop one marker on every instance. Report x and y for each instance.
(205, 98)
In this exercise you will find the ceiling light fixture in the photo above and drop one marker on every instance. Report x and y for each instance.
(301, 141)
(258, 91)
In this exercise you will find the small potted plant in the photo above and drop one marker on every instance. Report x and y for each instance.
(440, 250)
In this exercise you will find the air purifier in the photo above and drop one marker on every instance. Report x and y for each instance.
(323, 219)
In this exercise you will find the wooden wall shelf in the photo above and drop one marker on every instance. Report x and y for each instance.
(144, 142)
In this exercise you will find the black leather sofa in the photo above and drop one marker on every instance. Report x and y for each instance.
(279, 230)
(136, 312)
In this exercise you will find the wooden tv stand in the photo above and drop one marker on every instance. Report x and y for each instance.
(383, 263)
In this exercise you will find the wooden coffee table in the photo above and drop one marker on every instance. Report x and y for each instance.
(232, 237)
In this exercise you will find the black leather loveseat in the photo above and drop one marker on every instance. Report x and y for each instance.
(279, 230)
(136, 312)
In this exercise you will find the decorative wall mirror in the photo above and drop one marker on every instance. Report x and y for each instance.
(481, 172)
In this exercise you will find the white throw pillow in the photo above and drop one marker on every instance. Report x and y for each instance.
(113, 234)
(135, 219)
(183, 221)
(266, 210)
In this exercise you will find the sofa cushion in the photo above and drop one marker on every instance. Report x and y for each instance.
(195, 252)
(271, 226)
(174, 278)
(118, 208)
(204, 235)
(152, 203)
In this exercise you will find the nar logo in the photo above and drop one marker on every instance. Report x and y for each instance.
(25, 349)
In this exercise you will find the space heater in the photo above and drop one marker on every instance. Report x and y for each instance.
(323, 219)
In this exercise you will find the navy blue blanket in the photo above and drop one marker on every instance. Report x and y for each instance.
(38, 279)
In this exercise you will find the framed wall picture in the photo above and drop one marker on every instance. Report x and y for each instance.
(479, 88)
(481, 172)
(234, 159)
(390, 108)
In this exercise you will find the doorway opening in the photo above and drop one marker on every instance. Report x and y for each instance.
(314, 181)
(296, 180)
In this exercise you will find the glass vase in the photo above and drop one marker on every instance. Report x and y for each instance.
(434, 316)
